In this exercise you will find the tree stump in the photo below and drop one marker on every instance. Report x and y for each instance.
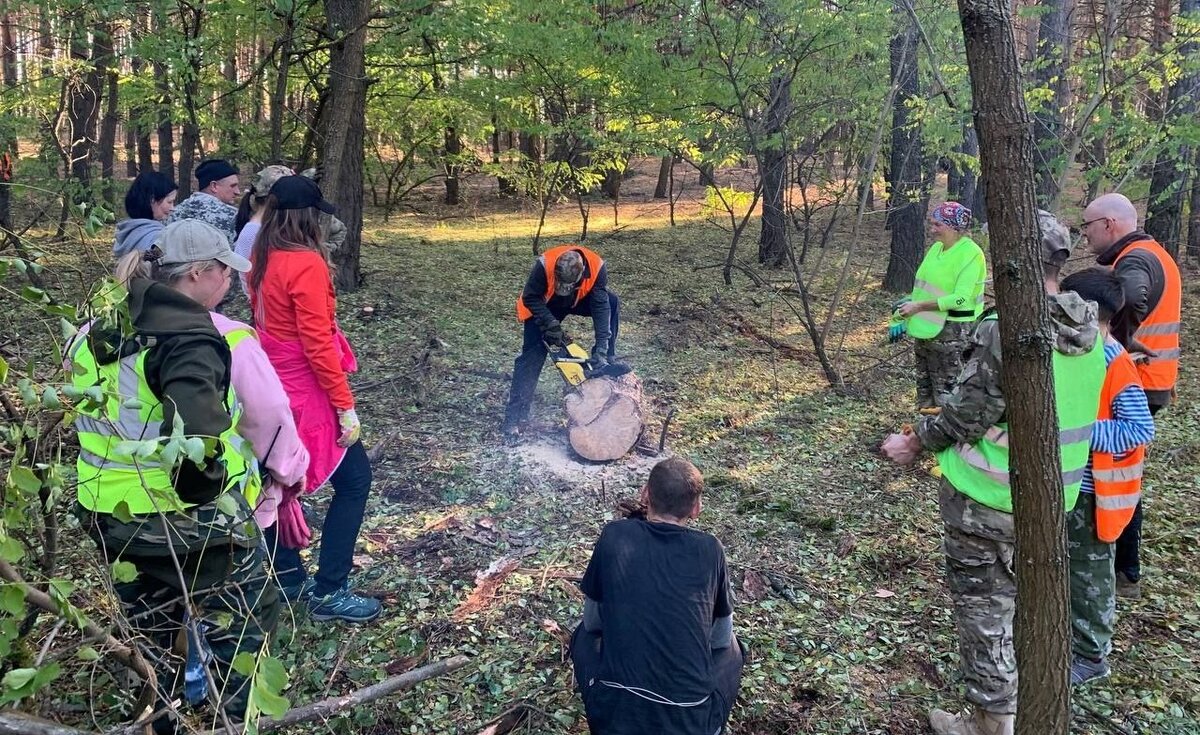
(604, 417)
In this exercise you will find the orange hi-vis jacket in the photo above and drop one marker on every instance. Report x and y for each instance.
(1160, 329)
(548, 259)
(1117, 478)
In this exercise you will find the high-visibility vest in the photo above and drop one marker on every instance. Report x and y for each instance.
(110, 474)
(936, 277)
(1117, 478)
(981, 471)
(1160, 330)
(548, 259)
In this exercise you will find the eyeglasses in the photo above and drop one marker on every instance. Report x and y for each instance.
(1083, 225)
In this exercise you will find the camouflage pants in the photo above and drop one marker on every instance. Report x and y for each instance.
(939, 361)
(979, 545)
(1093, 583)
(234, 602)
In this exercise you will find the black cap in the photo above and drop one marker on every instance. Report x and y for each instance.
(299, 192)
(214, 169)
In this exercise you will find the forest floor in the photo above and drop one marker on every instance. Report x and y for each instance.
(834, 554)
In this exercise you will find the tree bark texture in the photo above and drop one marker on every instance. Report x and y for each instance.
(968, 185)
(1043, 632)
(189, 138)
(342, 183)
(453, 149)
(773, 170)
(1169, 179)
(1193, 234)
(604, 417)
(83, 109)
(107, 141)
(662, 187)
(283, 67)
(8, 143)
(908, 195)
(165, 125)
(1050, 71)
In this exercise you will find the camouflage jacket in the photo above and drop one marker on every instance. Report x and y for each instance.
(977, 402)
(208, 209)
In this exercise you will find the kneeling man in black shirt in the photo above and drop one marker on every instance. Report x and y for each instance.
(656, 651)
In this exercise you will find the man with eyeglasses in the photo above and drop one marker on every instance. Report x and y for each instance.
(1148, 325)
(568, 279)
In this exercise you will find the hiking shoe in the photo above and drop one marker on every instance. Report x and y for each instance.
(1130, 589)
(1084, 669)
(342, 604)
(976, 722)
(298, 593)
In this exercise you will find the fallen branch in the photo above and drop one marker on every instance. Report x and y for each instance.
(19, 723)
(127, 655)
(326, 708)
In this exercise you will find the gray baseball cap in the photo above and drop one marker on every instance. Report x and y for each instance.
(193, 241)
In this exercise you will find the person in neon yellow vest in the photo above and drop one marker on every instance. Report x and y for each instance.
(946, 300)
(165, 482)
(970, 439)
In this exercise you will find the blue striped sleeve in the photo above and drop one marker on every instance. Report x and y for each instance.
(1130, 426)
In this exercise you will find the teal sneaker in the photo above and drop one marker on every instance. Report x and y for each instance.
(298, 593)
(342, 604)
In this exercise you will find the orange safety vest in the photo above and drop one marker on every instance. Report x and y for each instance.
(1117, 477)
(1160, 330)
(548, 259)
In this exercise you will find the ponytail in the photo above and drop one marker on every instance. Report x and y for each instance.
(132, 265)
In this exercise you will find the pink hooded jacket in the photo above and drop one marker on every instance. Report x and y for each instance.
(265, 409)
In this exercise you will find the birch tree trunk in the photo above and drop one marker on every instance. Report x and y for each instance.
(1043, 633)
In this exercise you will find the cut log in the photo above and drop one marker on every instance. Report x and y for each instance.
(604, 417)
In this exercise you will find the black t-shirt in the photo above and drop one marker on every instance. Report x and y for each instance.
(659, 587)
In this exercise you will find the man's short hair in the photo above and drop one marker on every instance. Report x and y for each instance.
(1100, 285)
(675, 485)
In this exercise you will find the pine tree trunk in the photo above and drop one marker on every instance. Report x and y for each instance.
(8, 143)
(83, 108)
(1050, 71)
(343, 158)
(505, 186)
(1193, 233)
(231, 124)
(279, 92)
(452, 150)
(189, 139)
(773, 170)
(1043, 632)
(1169, 180)
(107, 141)
(968, 184)
(165, 126)
(908, 197)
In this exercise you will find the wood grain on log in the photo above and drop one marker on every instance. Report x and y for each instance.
(604, 417)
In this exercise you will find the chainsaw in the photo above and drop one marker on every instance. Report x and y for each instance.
(575, 364)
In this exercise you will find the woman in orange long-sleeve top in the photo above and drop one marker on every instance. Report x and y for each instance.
(295, 312)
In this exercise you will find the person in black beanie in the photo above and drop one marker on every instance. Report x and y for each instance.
(214, 202)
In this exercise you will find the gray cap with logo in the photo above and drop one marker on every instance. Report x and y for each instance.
(193, 241)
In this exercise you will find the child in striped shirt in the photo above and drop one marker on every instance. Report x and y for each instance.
(1111, 486)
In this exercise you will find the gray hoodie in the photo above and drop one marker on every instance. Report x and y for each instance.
(136, 234)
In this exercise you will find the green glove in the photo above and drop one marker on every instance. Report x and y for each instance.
(897, 328)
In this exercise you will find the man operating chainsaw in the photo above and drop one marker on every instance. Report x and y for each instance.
(568, 279)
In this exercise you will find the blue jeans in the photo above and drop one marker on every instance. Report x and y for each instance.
(351, 485)
(527, 368)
